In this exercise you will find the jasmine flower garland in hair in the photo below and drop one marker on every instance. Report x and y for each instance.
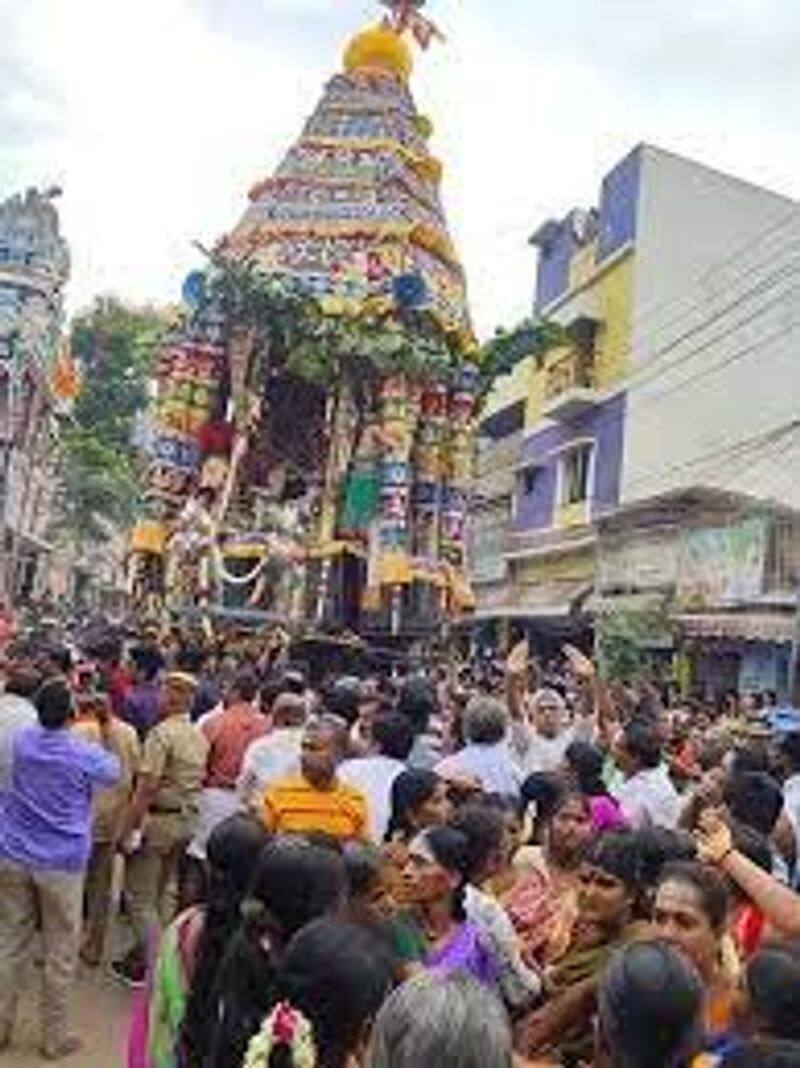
(284, 1026)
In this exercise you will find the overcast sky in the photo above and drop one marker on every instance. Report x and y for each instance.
(157, 116)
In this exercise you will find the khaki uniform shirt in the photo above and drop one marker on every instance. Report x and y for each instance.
(175, 753)
(109, 806)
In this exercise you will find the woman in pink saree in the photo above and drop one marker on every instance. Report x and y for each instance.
(539, 887)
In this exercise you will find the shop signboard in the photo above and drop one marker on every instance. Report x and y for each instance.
(723, 565)
(487, 534)
(641, 561)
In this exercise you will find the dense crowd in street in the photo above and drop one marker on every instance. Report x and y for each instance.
(457, 864)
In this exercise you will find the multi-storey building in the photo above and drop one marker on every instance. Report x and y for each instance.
(678, 295)
(34, 267)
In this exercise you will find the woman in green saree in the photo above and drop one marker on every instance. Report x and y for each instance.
(609, 892)
(179, 1012)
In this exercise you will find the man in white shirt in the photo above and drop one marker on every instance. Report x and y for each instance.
(275, 756)
(541, 743)
(487, 756)
(16, 711)
(647, 796)
(790, 750)
(374, 775)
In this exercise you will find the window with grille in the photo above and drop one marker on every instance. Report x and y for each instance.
(529, 479)
(576, 468)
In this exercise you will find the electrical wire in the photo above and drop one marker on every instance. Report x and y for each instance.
(727, 361)
(720, 451)
(644, 402)
(656, 367)
(657, 308)
(630, 385)
(647, 371)
(716, 267)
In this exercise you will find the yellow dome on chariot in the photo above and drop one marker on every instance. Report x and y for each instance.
(379, 48)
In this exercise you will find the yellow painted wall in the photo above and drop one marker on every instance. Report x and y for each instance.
(615, 301)
(571, 515)
(575, 566)
(511, 388)
(582, 266)
(608, 297)
(533, 409)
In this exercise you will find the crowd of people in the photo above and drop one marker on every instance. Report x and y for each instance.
(396, 869)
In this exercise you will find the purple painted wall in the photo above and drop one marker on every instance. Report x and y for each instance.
(552, 274)
(619, 205)
(605, 426)
(618, 210)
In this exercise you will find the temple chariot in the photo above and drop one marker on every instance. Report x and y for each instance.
(309, 445)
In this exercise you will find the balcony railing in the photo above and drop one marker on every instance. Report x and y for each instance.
(571, 371)
(569, 388)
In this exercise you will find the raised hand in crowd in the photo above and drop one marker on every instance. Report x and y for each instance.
(715, 845)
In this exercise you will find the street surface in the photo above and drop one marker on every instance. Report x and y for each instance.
(100, 1013)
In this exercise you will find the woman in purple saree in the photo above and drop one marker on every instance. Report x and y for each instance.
(433, 932)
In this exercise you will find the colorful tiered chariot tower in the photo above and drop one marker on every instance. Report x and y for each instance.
(337, 449)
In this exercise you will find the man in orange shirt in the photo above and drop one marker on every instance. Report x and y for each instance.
(317, 800)
(231, 732)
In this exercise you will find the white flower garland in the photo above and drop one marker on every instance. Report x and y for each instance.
(284, 1026)
(237, 580)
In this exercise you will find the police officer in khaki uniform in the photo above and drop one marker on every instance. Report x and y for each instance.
(160, 821)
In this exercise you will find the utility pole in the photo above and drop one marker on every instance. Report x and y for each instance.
(794, 663)
(5, 469)
(6, 448)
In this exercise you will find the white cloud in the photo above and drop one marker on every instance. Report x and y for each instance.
(157, 116)
(163, 127)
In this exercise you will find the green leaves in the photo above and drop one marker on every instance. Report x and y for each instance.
(115, 346)
(500, 355)
(325, 342)
(626, 639)
(97, 481)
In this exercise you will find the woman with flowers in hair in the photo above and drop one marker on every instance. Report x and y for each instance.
(333, 979)
(294, 883)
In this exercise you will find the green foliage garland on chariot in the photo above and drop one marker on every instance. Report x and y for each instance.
(295, 332)
(364, 343)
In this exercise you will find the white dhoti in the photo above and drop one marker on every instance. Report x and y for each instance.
(214, 807)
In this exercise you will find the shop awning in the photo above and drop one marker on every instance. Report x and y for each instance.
(547, 600)
(767, 627)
